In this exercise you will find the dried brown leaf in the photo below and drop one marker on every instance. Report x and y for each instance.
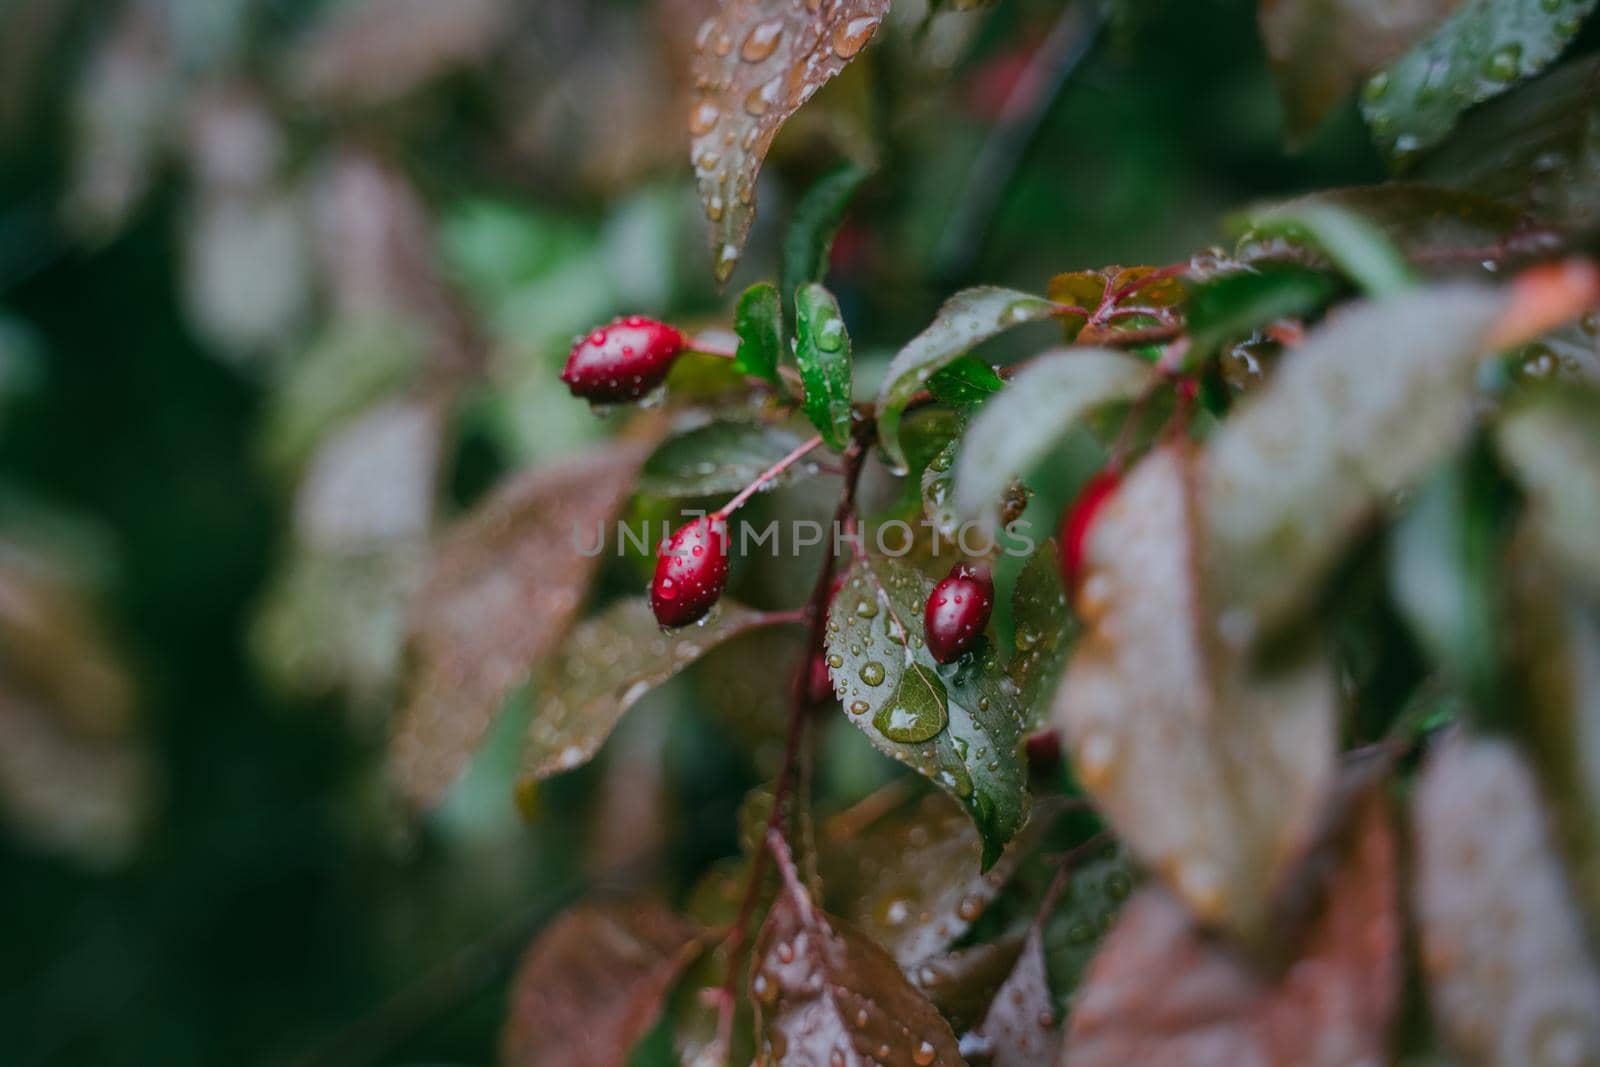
(1212, 771)
(594, 983)
(501, 592)
(826, 996)
(756, 62)
(1160, 993)
(1503, 951)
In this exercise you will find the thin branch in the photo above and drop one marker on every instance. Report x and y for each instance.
(765, 477)
(996, 166)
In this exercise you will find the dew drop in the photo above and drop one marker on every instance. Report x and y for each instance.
(703, 119)
(872, 672)
(859, 707)
(761, 41)
(1503, 64)
(922, 1055)
(850, 36)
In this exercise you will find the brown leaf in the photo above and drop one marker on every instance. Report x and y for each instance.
(1321, 49)
(1211, 770)
(912, 880)
(1020, 1028)
(1503, 949)
(501, 592)
(756, 62)
(962, 983)
(826, 996)
(594, 983)
(610, 662)
(1162, 994)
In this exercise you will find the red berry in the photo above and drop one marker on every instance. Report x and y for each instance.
(622, 361)
(1044, 752)
(691, 570)
(958, 610)
(1076, 522)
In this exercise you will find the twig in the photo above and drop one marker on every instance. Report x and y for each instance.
(765, 477)
(1025, 108)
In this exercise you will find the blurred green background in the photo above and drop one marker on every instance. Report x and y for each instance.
(273, 905)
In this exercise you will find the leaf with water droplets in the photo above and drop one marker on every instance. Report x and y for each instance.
(592, 984)
(1232, 306)
(1437, 231)
(816, 218)
(956, 724)
(1018, 427)
(1322, 49)
(911, 879)
(475, 633)
(1019, 1029)
(717, 458)
(826, 995)
(967, 319)
(756, 63)
(1533, 149)
(1552, 445)
(608, 664)
(1481, 50)
(964, 383)
(1160, 993)
(1510, 981)
(822, 353)
(1373, 399)
(1212, 771)
(1044, 629)
(758, 322)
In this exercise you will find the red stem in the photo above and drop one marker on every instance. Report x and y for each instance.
(765, 477)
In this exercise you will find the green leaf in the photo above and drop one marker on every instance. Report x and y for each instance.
(1483, 847)
(938, 491)
(822, 352)
(1044, 628)
(717, 458)
(1438, 230)
(1096, 891)
(1355, 244)
(1233, 306)
(608, 665)
(809, 238)
(1322, 49)
(966, 319)
(955, 724)
(1018, 427)
(967, 381)
(1372, 400)
(1212, 769)
(1533, 148)
(1444, 566)
(1480, 51)
(759, 325)
(1552, 445)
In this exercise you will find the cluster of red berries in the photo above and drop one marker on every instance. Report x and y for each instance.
(631, 357)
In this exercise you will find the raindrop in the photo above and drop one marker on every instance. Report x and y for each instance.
(702, 120)
(849, 37)
(872, 672)
(761, 41)
(1504, 63)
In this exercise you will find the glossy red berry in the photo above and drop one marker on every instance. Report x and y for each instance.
(1076, 522)
(623, 361)
(691, 571)
(958, 610)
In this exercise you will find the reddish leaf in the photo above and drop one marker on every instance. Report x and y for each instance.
(826, 996)
(1020, 1029)
(1212, 771)
(502, 591)
(756, 62)
(1162, 994)
(594, 983)
(1509, 980)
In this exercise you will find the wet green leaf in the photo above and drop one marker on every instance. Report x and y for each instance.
(966, 320)
(1512, 990)
(1212, 770)
(1233, 306)
(809, 238)
(822, 352)
(1018, 427)
(1044, 629)
(938, 491)
(955, 724)
(609, 664)
(759, 324)
(1372, 400)
(717, 458)
(1322, 49)
(1480, 51)
(1355, 244)
(967, 381)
